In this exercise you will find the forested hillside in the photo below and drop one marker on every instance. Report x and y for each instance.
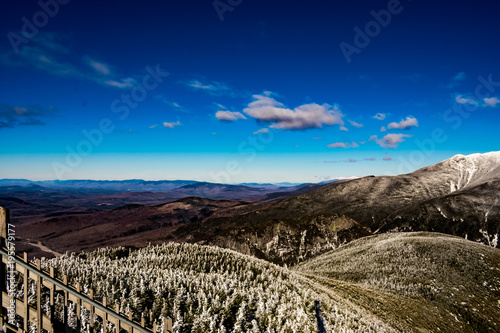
(208, 289)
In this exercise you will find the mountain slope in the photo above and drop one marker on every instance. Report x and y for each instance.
(458, 196)
(460, 279)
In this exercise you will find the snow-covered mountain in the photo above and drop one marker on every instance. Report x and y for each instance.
(459, 196)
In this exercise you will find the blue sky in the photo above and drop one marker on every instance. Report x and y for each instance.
(244, 91)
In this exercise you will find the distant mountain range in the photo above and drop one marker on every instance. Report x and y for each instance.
(133, 185)
(112, 194)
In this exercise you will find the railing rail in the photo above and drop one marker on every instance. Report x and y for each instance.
(72, 294)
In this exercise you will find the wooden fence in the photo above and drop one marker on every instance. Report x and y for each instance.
(10, 305)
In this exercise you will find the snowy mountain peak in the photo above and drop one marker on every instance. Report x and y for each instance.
(473, 169)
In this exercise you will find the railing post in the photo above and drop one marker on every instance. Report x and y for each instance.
(167, 324)
(78, 308)
(118, 323)
(39, 297)
(91, 324)
(65, 307)
(105, 318)
(26, 314)
(52, 301)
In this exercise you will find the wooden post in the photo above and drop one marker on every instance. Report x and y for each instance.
(26, 313)
(39, 297)
(91, 324)
(105, 318)
(117, 310)
(65, 307)
(51, 288)
(143, 321)
(167, 324)
(78, 308)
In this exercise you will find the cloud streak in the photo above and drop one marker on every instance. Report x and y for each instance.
(14, 116)
(213, 88)
(390, 141)
(355, 124)
(262, 130)
(172, 125)
(47, 53)
(229, 115)
(343, 145)
(404, 124)
(172, 104)
(456, 80)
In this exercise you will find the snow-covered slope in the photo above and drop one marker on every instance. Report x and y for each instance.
(469, 170)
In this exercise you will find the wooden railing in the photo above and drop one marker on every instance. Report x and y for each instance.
(10, 305)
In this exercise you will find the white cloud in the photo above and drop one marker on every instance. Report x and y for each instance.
(387, 158)
(267, 109)
(343, 145)
(390, 141)
(493, 101)
(380, 116)
(464, 100)
(262, 130)
(404, 124)
(355, 124)
(383, 129)
(172, 125)
(229, 115)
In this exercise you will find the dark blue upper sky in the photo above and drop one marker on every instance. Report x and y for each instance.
(275, 91)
